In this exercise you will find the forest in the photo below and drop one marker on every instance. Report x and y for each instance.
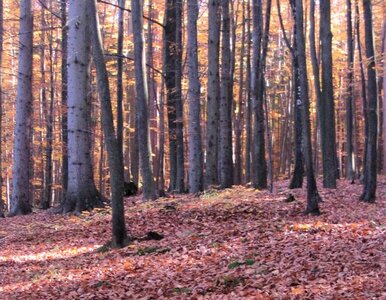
(192, 149)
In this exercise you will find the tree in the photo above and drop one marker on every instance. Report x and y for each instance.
(327, 112)
(112, 143)
(213, 94)
(370, 179)
(225, 157)
(142, 100)
(350, 172)
(259, 160)
(1, 106)
(312, 190)
(196, 182)
(21, 197)
(173, 74)
(81, 191)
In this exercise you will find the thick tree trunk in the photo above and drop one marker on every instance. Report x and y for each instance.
(21, 196)
(327, 115)
(196, 183)
(81, 191)
(142, 101)
(213, 87)
(226, 160)
(370, 180)
(113, 151)
(350, 159)
(312, 191)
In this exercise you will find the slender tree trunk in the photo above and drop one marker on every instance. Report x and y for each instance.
(327, 99)
(21, 197)
(63, 8)
(2, 206)
(195, 146)
(142, 101)
(384, 96)
(213, 87)
(350, 159)
(312, 190)
(239, 113)
(370, 180)
(260, 163)
(226, 160)
(119, 78)
(113, 151)
(248, 103)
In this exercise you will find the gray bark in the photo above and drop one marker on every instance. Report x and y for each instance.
(119, 78)
(113, 151)
(2, 206)
(195, 144)
(20, 201)
(142, 101)
(213, 87)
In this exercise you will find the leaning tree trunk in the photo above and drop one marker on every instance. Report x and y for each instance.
(113, 147)
(142, 100)
(327, 106)
(370, 180)
(312, 190)
(213, 87)
(226, 160)
(21, 196)
(196, 182)
(350, 172)
(81, 191)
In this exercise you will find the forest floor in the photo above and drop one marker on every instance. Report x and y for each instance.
(232, 244)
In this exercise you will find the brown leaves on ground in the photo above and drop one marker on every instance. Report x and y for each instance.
(232, 244)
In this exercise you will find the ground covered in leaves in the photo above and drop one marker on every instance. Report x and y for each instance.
(232, 244)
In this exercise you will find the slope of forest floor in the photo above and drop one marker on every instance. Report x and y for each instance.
(232, 244)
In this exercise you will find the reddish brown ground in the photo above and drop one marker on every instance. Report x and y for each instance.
(234, 244)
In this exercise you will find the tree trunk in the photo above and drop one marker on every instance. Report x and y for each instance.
(312, 190)
(370, 180)
(121, 3)
(21, 196)
(63, 8)
(384, 95)
(113, 151)
(2, 206)
(226, 160)
(195, 146)
(260, 163)
(81, 191)
(213, 87)
(142, 101)
(350, 159)
(330, 169)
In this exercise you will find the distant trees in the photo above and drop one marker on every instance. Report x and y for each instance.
(21, 197)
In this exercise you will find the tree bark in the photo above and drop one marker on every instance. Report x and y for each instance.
(350, 159)
(226, 160)
(312, 190)
(327, 113)
(142, 101)
(213, 87)
(195, 147)
(370, 180)
(121, 3)
(119, 233)
(2, 206)
(21, 196)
